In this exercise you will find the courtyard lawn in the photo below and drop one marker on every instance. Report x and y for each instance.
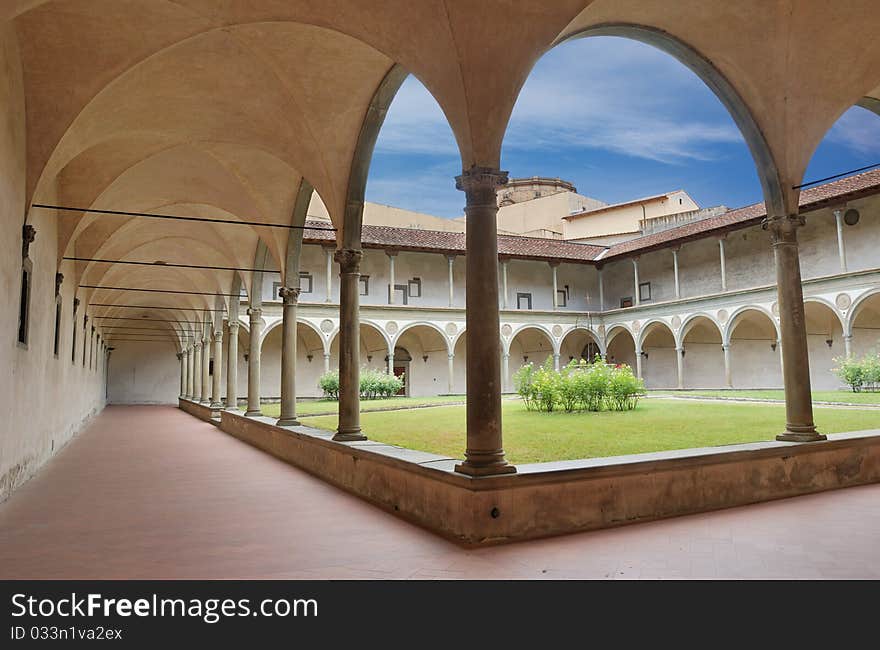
(655, 425)
(312, 407)
(839, 396)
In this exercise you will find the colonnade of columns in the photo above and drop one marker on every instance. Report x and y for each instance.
(485, 366)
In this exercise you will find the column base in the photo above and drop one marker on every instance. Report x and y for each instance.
(791, 436)
(251, 414)
(216, 405)
(494, 469)
(288, 422)
(349, 436)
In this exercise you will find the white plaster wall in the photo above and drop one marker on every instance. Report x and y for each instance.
(144, 373)
(748, 259)
(617, 278)
(699, 268)
(527, 276)
(44, 399)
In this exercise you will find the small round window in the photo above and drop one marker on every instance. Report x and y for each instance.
(851, 217)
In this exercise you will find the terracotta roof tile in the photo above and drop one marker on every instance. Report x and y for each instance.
(537, 248)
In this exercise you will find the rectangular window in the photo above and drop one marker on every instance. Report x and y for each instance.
(276, 287)
(626, 302)
(561, 298)
(57, 339)
(415, 288)
(400, 294)
(364, 284)
(523, 301)
(24, 304)
(305, 282)
(644, 291)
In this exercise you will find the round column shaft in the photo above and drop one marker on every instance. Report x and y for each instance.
(232, 367)
(218, 365)
(484, 453)
(349, 261)
(197, 371)
(206, 369)
(256, 323)
(799, 425)
(289, 296)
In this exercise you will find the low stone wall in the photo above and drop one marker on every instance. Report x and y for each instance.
(201, 411)
(555, 498)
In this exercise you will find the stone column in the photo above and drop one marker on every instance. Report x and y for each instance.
(553, 267)
(723, 264)
(841, 247)
(289, 296)
(190, 372)
(847, 345)
(636, 300)
(390, 365)
(505, 372)
(675, 272)
(232, 367)
(795, 359)
(85, 338)
(197, 371)
(556, 361)
(329, 278)
(326, 362)
(484, 453)
(181, 356)
(256, 325)
(450, 260)
(216, 397)
(187, 374)
(391, 277)
(349, 261)
(504, 264)
(206, 368)
(679, 366)
(728, 377)
(601, 291)
(450, 360)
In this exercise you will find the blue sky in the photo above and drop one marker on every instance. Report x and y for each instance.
(617, 118)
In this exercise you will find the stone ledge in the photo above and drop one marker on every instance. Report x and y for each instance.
(567, 496)
(199, 410)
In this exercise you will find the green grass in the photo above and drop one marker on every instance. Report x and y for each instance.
(655, 425)
(311, 407)
(841, 396)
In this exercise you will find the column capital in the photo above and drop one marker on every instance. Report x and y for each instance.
(289, 295)
(179, 356)
(218, 335)
(255, 313)
(725, 346)
(391, 252)
(28, 235)
(197, 345)
(75, 304)
(450, 355)
(553, 263)
(233, 327)
(783, 230)
(349, 259)
(59, 278)
(480, 184)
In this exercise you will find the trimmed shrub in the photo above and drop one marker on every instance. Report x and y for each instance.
(374, 384)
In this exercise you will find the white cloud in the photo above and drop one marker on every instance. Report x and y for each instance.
(859, 130)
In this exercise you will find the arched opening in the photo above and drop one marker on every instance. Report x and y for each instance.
(667, 118)
(309, 360)
(824, 343)
(865, 328)
(659, 368)
(459, 366)
(270, 364)
(703, 356)
(621, 348)
(755, 356)
(579, 343)
(373, 350)
(427, 373)
(529, 345)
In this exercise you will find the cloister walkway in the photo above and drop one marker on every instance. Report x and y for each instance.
(151, 492)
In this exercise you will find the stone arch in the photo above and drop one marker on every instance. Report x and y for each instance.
(576, 343)
(857, 306)
(779, 199)
(620, 346)
(375, 344)
(755, 358)
(432, 326)
(528, 344)
(700, 339)
(825, 342)
(541, 328)
(657, 344)
(429, 349)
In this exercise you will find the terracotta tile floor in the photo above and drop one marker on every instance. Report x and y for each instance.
(150, 492)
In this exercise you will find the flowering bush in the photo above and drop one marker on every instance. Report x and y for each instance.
(859, 374)
(374, 384)
(580, 386)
